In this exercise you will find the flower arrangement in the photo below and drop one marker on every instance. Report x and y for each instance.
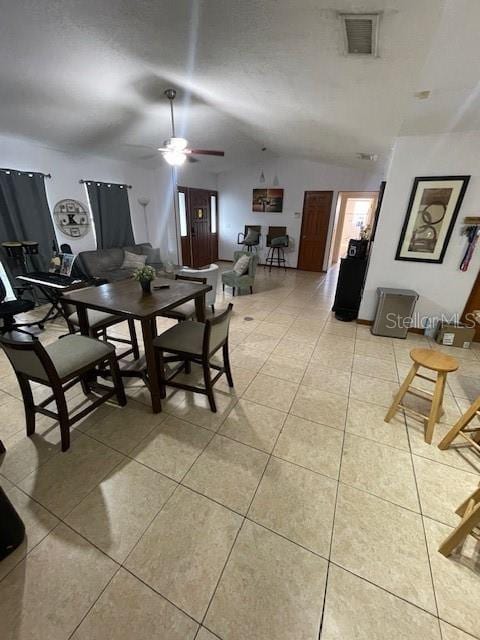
(144, 275)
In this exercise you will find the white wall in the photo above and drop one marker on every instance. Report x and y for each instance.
(68, 168)
(295, 176)
(443, 288)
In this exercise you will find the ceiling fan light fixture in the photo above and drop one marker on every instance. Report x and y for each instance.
(262, 178)
(176, 144)
(174, 157)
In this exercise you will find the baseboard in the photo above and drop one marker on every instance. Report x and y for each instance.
(411, 329)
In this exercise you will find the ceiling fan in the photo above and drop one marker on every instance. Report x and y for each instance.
(175, 150)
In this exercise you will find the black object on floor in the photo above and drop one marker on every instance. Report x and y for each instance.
(12, 529)
(349, 288)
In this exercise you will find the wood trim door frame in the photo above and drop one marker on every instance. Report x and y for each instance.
(186, 242)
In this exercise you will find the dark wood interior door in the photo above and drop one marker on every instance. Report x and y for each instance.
(472, 307)
(317, 206)
(200, 240)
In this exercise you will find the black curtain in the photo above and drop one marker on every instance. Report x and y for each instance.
(25, 215)
(111, 214)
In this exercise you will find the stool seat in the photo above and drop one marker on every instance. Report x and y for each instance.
(434, 360)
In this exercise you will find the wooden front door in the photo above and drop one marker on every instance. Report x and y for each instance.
(198, 226)
(472, 307)
(317, 206)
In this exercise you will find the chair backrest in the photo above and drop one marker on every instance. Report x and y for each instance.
(28, 357)
(210, 273)
(216, 331)
(275, 232)
(252, 261)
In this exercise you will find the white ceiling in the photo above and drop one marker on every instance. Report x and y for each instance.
(90, 75)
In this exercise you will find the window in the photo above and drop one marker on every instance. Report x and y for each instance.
(182, 213)
(213, 213)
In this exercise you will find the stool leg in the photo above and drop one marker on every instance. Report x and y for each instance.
(461, 423)
(436, 406)
(401, 392)
(459, 534)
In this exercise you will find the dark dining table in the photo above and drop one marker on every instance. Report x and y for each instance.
(127, 300)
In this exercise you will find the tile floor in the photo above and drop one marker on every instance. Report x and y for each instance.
(294, 513)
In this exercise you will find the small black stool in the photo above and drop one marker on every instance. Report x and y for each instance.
(276, 253)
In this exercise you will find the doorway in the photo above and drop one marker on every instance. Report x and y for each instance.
(313, 236)
(355, 211)
(198, 221)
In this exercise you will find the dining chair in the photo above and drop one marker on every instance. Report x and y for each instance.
(185, 311)
(211, 274)
(98, 323)
(196, 342)
(60, 365)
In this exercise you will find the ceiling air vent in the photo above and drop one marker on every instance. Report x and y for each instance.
(361, 33)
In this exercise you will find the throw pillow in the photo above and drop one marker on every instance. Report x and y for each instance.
(241, 265)
(252, 236)
(133, 261)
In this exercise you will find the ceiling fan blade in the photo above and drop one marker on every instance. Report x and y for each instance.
(192, 159)
(149, 157)
(207, 152)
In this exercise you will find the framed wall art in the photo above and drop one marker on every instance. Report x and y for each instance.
(267, 200)
(432, 210)
(71, 217)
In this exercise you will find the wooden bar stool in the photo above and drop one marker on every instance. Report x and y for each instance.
(460, 428)
(469, 511)
(434, 361)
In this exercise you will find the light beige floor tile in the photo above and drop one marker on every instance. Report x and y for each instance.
(12, 417)
(271, 392)
(367, 420)
(116, 513)
(270, 588)
(341, 344)
(253, 424)
(247, 357)
(358, 610)
(204, 634)
(452, 633)
(311, 445)
(288, 348)
(172, 447)
(228, 472)
(302, 336)
(241, 379)
(339, 328)
(456, 578)
(379, 469)
(383, 543)
(280, 318)
(375, 349)
(320, 406)
(297, 504)
(129, 609)
(183, 552)
(442, 489)
(332, 359)
(375, 367)
(450, 407)
(331, 380)
(25, 454)
(271, 329)
(53, 588)
(196, 409)
(261, 342)
(284, 368)
(37, 520)
(464, 386)
(459, 454)
(66, 478)
(124, 427)
(373, 390)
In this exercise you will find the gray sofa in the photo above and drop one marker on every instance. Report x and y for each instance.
(106, 263)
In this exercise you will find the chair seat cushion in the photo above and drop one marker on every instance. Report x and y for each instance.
(72, 353)
(186, 337)
(184, 311)
(96, 319)
(12, 307)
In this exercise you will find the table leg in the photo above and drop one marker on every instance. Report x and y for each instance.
(149, 330)
(200, 307)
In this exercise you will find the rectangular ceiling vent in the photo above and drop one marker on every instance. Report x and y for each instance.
(361, 33)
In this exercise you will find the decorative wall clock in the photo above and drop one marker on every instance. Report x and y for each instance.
(72, 218)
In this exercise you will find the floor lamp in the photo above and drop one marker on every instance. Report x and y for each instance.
(144, 202)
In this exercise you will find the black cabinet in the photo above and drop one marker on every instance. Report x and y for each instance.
(349, 288)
